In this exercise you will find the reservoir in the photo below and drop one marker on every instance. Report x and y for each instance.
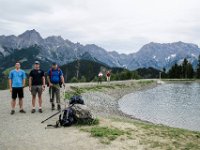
(173, 104)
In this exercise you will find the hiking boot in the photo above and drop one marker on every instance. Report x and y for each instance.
(33, 111)
(12, 112)
(22, 111)
(40, 110)
(52, 106)
(58, 107)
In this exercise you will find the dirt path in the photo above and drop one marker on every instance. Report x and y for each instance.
(25, 132)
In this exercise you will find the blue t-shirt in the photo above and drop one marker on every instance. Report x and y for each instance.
(55, 75)
(17, 78)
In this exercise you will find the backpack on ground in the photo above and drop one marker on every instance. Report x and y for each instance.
(82, 114)
(67, 118)
(76, 100)
(77, 112)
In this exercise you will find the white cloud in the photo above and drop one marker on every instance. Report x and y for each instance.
(122, 25)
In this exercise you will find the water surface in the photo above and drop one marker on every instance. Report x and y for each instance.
(176, 105)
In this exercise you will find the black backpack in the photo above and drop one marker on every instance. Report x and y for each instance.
(67, 118)
(76, 100)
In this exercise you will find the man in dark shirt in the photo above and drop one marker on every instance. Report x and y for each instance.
(36, 85)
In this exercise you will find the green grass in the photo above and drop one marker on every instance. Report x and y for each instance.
(177, 80)
(105, 134)
(75, 90)
(6, 72)
(164, 137)
(88, 122)
(144, 82)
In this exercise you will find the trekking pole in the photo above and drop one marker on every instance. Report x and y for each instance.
(51, 93)
(50, 117)
(64, 99)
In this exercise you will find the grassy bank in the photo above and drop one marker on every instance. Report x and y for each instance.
(135, 134)
(180, 80)
(110, 131)
(146, 135)
(78, 90)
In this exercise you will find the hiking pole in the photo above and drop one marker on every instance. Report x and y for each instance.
(51, 117)
(64, 99)
(51, 94)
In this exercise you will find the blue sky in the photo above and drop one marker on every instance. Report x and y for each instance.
(120, 25)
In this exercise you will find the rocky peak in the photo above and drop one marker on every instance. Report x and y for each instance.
(55, 40)
(29, 38)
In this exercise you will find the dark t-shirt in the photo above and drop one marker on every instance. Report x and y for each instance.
(37, 76)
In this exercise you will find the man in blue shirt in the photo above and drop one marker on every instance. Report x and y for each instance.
(55, 79)
(17, 83)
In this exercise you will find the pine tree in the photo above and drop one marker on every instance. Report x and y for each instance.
(198, 68)
(184, 68)
(190, 71)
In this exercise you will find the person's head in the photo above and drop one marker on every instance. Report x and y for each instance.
(17, 65)
(54, 65)
(37, 65)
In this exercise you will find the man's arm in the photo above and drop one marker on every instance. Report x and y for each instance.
(10, 84)
(62, 79)
(30, 82)
(24, 79)
(48, 80)
(24, 82)
(43, 83)
(10, 81)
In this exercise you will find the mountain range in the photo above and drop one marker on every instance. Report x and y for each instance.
(55, 48)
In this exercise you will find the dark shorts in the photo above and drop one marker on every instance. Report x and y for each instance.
(17, 92)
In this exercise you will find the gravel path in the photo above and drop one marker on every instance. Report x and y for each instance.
(25, 132)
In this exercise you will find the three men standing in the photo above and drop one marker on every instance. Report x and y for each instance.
(36, 85)
(17, 82)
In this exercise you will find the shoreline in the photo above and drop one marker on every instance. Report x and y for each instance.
(114, 95)
(25, 131)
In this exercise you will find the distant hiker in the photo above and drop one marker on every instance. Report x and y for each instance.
(100, 77)
(36, 85)
(17, 80)
(56, 80)
(108, 74)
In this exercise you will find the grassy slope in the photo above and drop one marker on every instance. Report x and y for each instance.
(147, 135)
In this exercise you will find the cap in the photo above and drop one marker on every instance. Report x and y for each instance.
(37, 62)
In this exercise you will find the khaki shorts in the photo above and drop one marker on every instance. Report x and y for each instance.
(36, 90)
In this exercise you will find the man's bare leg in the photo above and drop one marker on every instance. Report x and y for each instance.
(40, 103)
(21, 105)
(33, 103)
(13, 104)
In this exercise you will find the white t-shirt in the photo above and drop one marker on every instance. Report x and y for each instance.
(100, 74)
